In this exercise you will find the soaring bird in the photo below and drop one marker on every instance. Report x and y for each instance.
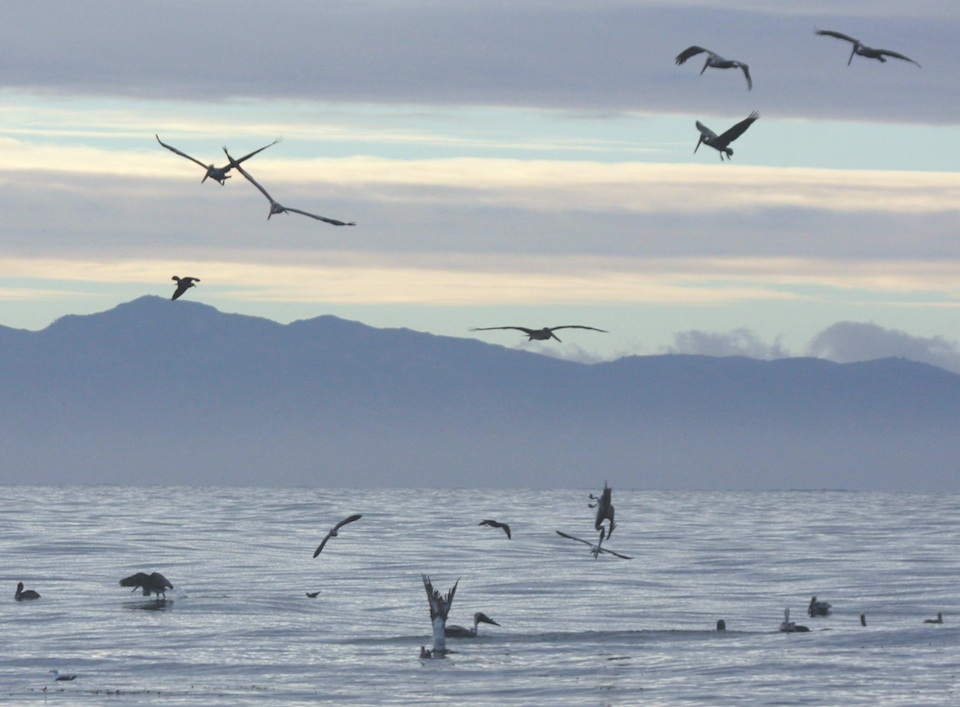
(153, 583)
(595, 550)
(721, 143)
(862, 49)
(715, 61)
(497, 524)
(275, 206)
(605, 511)
(818, 608)
(333, 532)
(439, 608)
(541, 334)
(464, 632)
(22, 595)
(218, 174)
(183, 284)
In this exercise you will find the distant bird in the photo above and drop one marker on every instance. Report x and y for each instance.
(313, 595)
(938, 620)
(22, 595)
(153, 583)
(497, 524)
(721, 625)
(721, 143)
(862, 49)
(789, 626)
(818, 608)
(605, 511)
(714, 61)
(183, 284)
(439, 608)
(595, 550)
(275, 206)
(541, 334)
(334, 532)
(61, 678)
(463, 632)
(218, 174)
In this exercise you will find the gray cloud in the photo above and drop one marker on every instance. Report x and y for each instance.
(847, 342)
(740, 342)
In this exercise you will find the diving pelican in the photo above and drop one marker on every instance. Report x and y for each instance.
(541, 334)
(716, 61)
(439, 608)
(183, 284)
(464, 632)
(721, 143)
(862, 49)
(22, 595)
(61, 678)
(275, 206)
(218, 174)
(595, 550)
(605, 511)
(333, 532)
(938, 620)
(497, 524)
(789, 626)
(818, 608)
(153, 583)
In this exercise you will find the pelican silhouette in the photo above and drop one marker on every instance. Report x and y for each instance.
(275, 206)
(595, 550)
(439, 609)
(153, 583)
(862, 49)
(721, 143)
(61, 678)
(464, 632)
(497, 524)
(715, 61)
(605, 511)
(218, 174)
(22, 595)
(938, 620)
(333, 532)
(788, 626)
(541, 334)
(818, 608)
(183, 284)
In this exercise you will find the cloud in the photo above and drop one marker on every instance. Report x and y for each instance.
(846, 342)
(740, 342)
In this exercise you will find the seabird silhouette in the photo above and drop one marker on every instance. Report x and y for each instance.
(789, 626)
(715, 61)
(595, 550)
(541, 334)
(439, 609)
(605, 511)
(818, 608)
(57, 677)
(22, 595)
(218, 174)
(497, 524)
(721, 143)
(183, 284)
(153, 583)
(464, 632)
(938, 620)
(333, 532)
(862, 49)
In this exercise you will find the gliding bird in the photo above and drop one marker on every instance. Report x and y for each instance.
(721, 143)
(862, 49)
(153, 583)
(716, 61)
(333, 531)
(497, 524)
(183, 284)
(218, 174)
(595, 550)
(541, 334)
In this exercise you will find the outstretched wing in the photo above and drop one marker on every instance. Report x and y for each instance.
(321, 218)
(705, 132)
(624, 557)
(322, 543)
(182, 154)
(246, 157)
(578, 326)
(439, 606)
(135, 580)
(689, 52)
(746, 73)
(491, 328)
(347, 520)
(564, 535)
(896, 55)
(235, 164)
(497, 524)
(838, 35)
(738, 129)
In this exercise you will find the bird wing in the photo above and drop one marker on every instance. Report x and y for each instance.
(689, 52)
(746, 73)
(896, 55)
(738, 129)
(491, 328)
(439, 606)
(236, 165)
(578, 326)
(585, 542)
(838, 35)
(182, 154)
(135, 580)
(347, 520)
(246, 157)
(625, 557)
(320, 218)
(498, 524)
(705, 132)
(160, 580)
(181, 288)
(322, 543)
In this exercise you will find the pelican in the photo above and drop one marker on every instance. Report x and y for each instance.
(497, 524)
(716, 61)
(183, 284)
(595, 550)
(61, 678)
(334, 532)
(818, 608)
(276, 207)
(153, 583)
(218, 174)
(862, 49)
(313, 595)
(721, 143)
(938, 620)
(541, 334)
(721, 625)
(22, 595)
(604, 505)
(439, 608)
(789, 626)
(464, 632)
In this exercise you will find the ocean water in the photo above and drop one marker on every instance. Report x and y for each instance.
(575, 630)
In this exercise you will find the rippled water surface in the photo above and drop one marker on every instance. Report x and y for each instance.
(574, 630)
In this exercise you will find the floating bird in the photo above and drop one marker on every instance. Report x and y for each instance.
(218, 174)
(22, 595)
(541, 334)
(789, 626)
(275, 206)
(595, 550)
(818, 608)
(333, 532)
(721, 625)
(938, 620)
(605, 510)
(464, 632)
(183, 284)
(863, 50)
(439, 608)
(153, 583)
(313, 595)
(715, 61)
(497, 524)
(57, 677)
(721, 143)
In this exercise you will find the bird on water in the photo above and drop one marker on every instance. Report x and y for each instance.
(25, 595)
(153, 583)
(464, 632)
(439, 609)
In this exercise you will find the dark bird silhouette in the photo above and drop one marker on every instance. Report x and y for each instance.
(541, 334)
(788, 626)
(595, 550)
(497, 524)
(464, 632)
(818, 608)
(605, 510)
(714, 61)
(938, 620)
(57, 677)
(721, 143)
(334, 532)
(862, 49)
(313, 595)
(22, 595)
(183, 284)
(439, 609)
(218, 174)
(153, 583)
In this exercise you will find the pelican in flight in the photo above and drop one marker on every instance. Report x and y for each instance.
(605, 511)
(818, 608)
(439, 608)
(716, 61)
(334, 531)
(721, 143)
(595, 550)
(863, 49)
(218, 174)
(789, 626)
(58, 677)
(938, 620)
(464, 632)
(183, 284)
(541, 334)
(22, 595)
(153, 583)
(497, 524)
(275, 206)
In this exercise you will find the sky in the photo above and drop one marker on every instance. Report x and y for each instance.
(523, 163)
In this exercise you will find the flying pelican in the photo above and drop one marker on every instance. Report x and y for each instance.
(439, 608)
(218, 174)
(716, 61)
(497, 524)
(721, 143)
(61, 678)
(276, 207)
(22, 595)
(595, 550)
(938, 620)
(183, 284)
(463, 632)
(818, 608)
(863, 49)
(605, 510)
(333, 532)
(789, 626)
(541, 334)
(153, 583)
